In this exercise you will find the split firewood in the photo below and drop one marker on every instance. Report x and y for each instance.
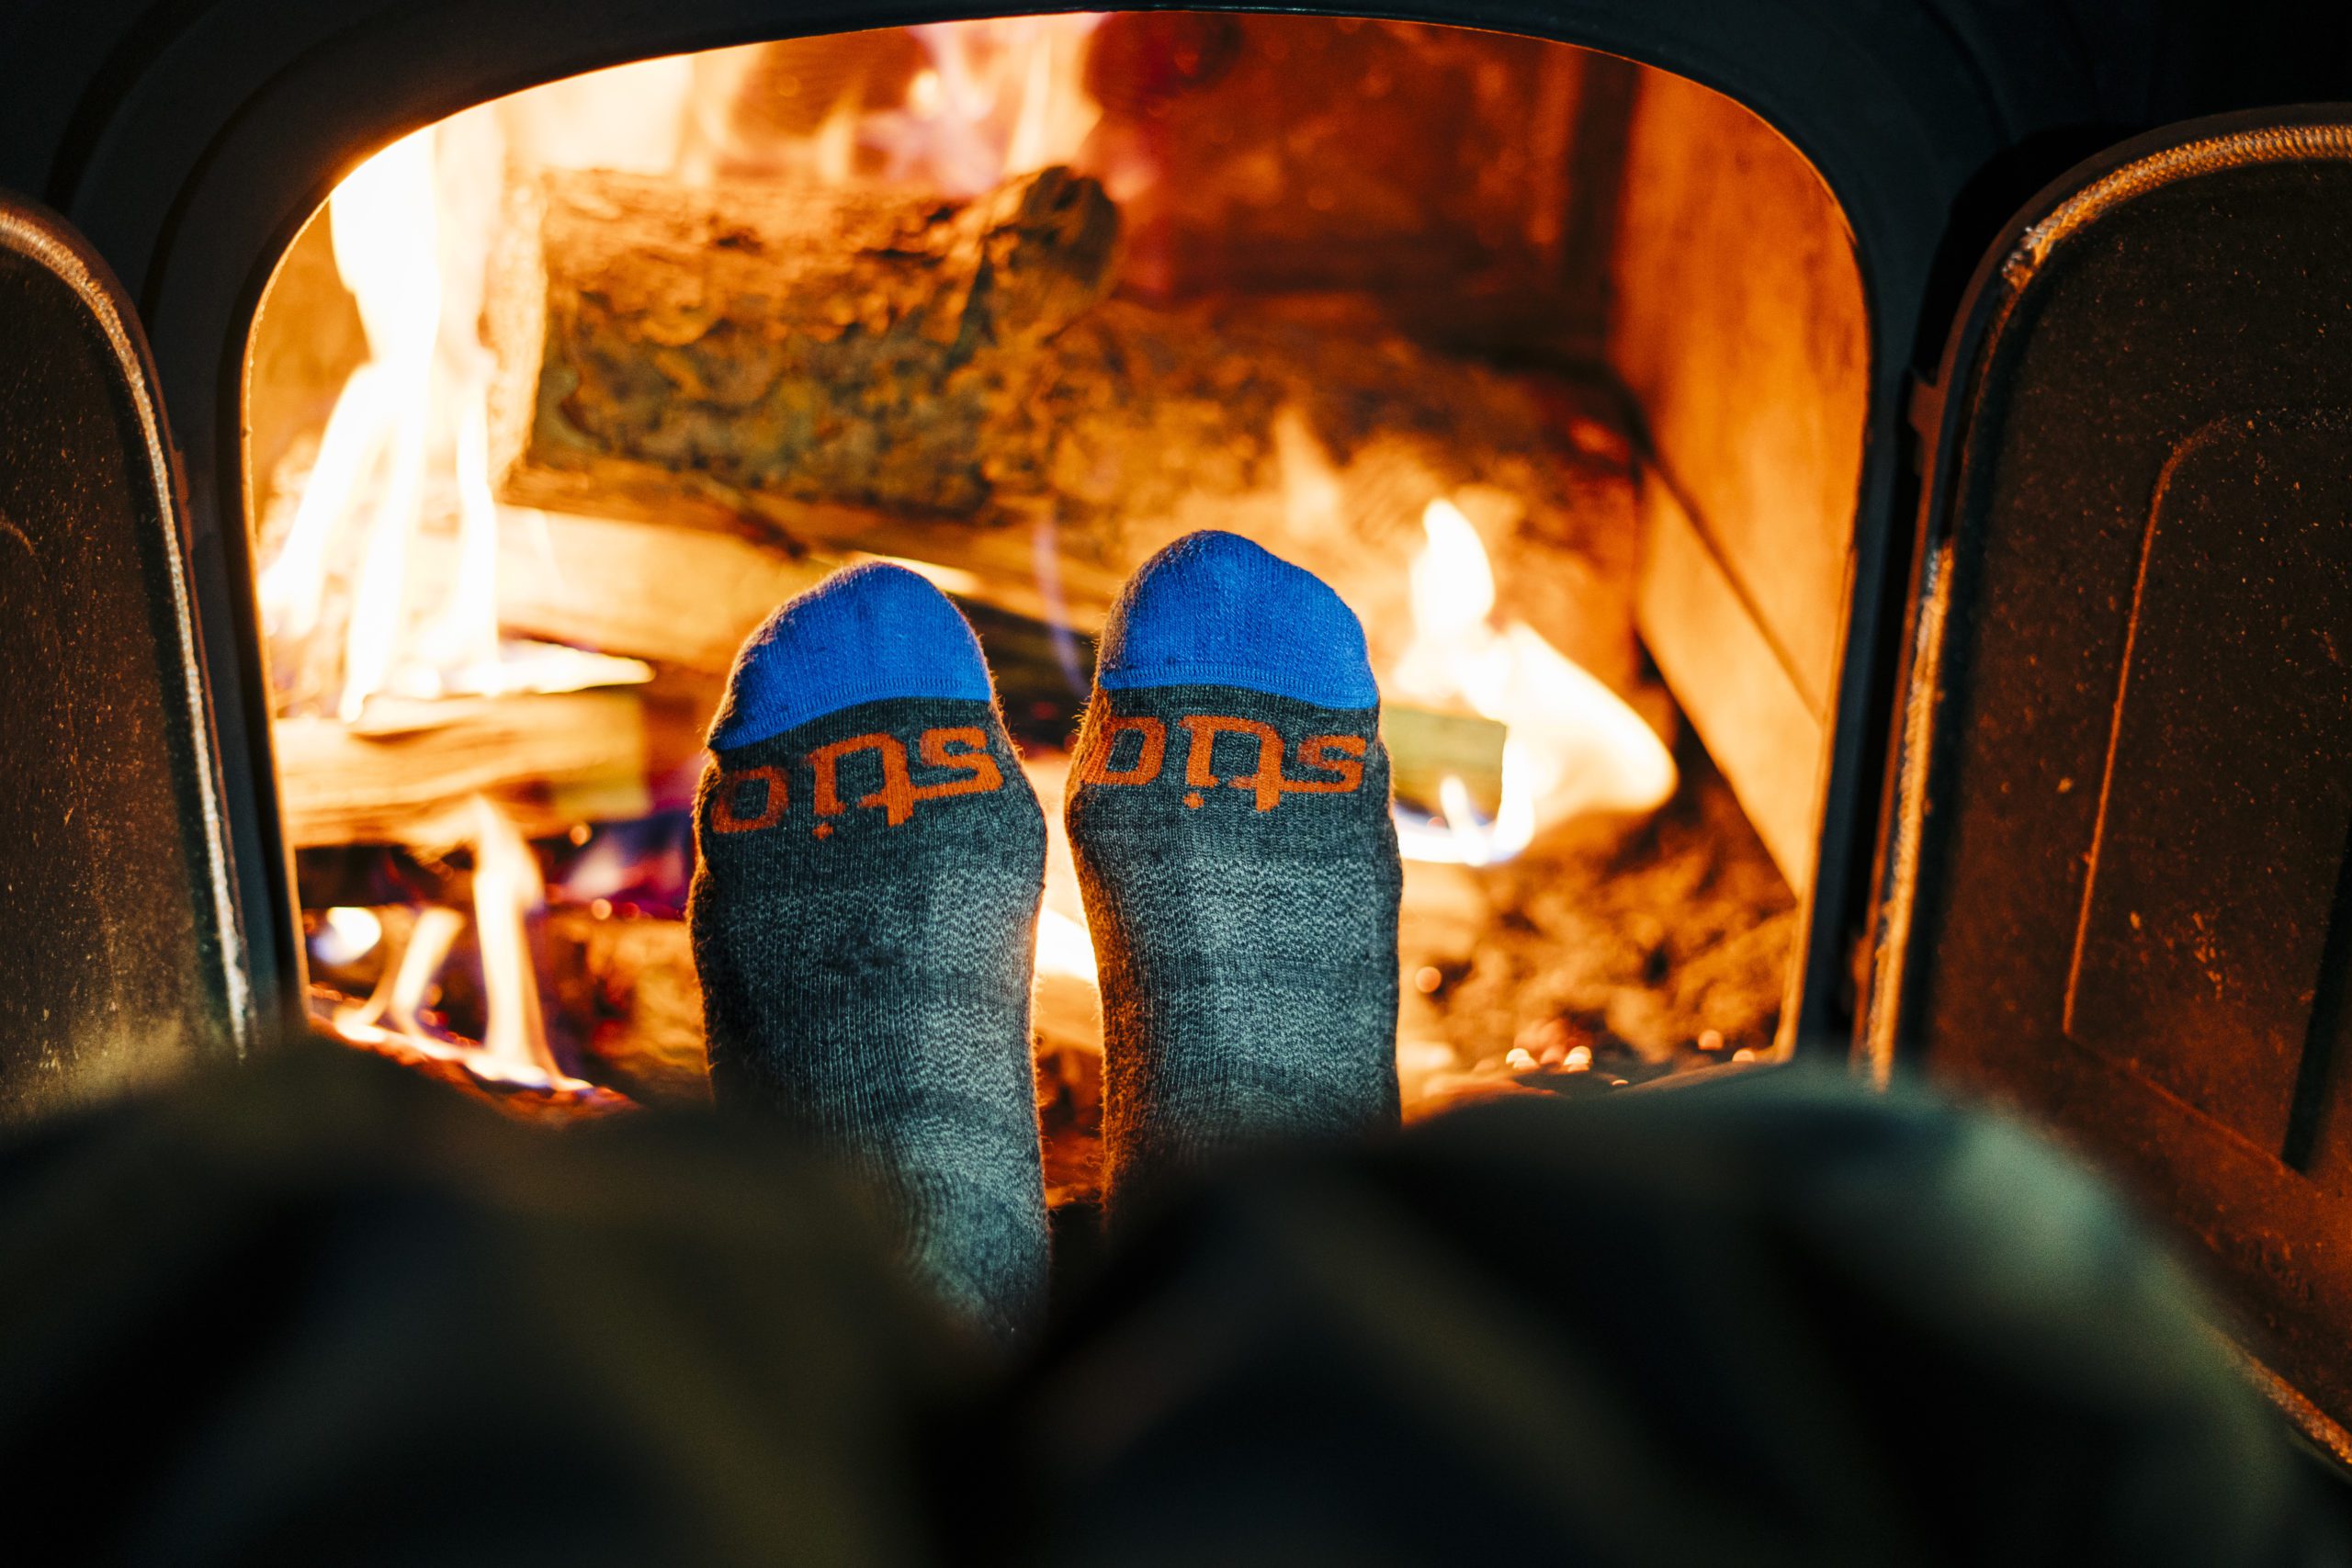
(1309, 427)
(1425, 748)
(805, 344)
(676, 596)
(686, 599)
(1140, 425)
(405, 773)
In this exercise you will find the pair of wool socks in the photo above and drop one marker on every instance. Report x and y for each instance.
(866, 907)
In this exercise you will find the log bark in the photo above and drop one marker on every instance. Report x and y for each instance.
(807, 344)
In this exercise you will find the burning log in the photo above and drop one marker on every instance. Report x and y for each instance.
(1425, 749)
(406, 773)
(856, 372)
(632, 985)
(802, 344)
(685, 598)
(654, 368)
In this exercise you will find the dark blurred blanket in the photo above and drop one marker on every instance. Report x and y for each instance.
(319, 1311)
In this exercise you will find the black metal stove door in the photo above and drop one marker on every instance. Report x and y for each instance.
(2116, 889)
(119, 954)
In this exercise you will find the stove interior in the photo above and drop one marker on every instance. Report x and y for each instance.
(1551, 365)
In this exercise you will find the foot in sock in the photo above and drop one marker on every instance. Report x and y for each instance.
(864, 915)
(1229, 812)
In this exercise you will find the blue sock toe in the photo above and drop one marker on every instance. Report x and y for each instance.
(1214, 610)
(871, 632)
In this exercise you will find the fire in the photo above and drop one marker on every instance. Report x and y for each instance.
(507, 890)
(955, 108)
(1066, 990)
(384, 584)
(401, 486)
(1573, 745)
(997, 98)
(1064, 947)
(401, 472)
(411, 238)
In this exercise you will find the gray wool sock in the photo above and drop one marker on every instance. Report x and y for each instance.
(1229, 812)
(864, 918)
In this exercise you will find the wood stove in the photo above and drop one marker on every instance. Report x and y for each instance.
(1751, 226)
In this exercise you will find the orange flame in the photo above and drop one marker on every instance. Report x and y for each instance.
(1574, 746)
(404, 985)
(412, 230)
(999, 98)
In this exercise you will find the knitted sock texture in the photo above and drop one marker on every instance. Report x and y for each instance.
(864, 914)
(1239, 865)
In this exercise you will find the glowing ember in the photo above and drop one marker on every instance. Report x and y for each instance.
(1574, 747)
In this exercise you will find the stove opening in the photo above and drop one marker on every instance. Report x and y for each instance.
(1553, 366)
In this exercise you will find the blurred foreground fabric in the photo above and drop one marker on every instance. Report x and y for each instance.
(320, 1311)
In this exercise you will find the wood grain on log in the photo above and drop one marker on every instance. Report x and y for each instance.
(1426, 747)
(686, 599)
(689, 596)
(1734, 689)
(675, 595)
(549, 760)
